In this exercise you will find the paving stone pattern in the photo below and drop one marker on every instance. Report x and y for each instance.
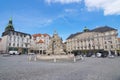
(19, 68)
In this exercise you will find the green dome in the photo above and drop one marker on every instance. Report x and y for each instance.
(86, 29)
(9, 27)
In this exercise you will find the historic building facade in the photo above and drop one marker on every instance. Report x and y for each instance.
(14, 40)
(0, 45)
(56, 46)
(118, 45)
(101, 38)
(39, 43)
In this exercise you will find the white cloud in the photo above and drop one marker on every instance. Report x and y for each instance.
(62, 1)
(110, 7)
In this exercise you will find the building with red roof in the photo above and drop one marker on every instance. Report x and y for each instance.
(39, 43)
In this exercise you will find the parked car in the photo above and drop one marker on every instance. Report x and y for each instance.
(102, 54)
(111, 56)
(98, 54)
(14, 53)
(89, 54)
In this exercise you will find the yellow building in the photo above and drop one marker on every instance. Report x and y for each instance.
(102, 38)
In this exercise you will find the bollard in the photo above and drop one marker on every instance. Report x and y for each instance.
(74, 59)
(55, 60)
(81, 57)
(29, 57)
(35, 59)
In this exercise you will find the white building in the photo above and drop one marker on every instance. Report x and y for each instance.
(14, 40)
(101, 38)
(39, 43)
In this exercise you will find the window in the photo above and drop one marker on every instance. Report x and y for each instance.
(20, 35)
(109, 37)
(26, 45)
(14, 38)
(40, 47)
(22, 45)
(17, 34)
(105, 47)
(111, 46)
(105, 42)
(9, 44)
(17, 45)
(13, 33)
(111, 42)
(13, 44)
(18, 39)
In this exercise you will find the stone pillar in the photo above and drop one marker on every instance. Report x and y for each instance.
(74, 59)
(29, 57)
(35, 57)
(55, 59)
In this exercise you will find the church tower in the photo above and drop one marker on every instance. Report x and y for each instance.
(9, 27)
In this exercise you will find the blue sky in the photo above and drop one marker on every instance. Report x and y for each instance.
(64, 16)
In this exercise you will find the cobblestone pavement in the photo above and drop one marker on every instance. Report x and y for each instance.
(19, 68)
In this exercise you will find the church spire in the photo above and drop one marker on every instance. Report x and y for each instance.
(55, 32)
(10, 20)
(9, 27)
